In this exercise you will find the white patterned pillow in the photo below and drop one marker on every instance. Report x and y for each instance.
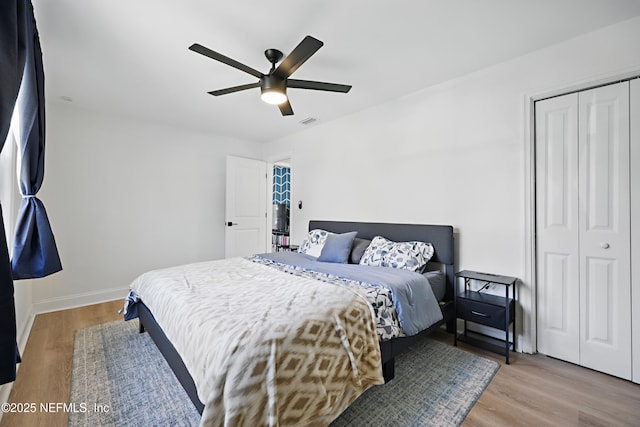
(314, 242)
(411, 256)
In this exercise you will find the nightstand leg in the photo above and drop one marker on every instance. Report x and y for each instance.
(514, 329)
(455, 332)
(515, 312)
(507, 347)
(507, 315)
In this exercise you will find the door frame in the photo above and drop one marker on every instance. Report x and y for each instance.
(528, 297)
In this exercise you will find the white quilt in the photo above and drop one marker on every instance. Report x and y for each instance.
(265, 347)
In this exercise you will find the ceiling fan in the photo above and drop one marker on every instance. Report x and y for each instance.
(274, 84)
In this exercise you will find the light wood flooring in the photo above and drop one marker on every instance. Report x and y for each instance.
(534, 390)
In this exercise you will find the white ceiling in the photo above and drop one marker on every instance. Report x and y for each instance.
(130, 57)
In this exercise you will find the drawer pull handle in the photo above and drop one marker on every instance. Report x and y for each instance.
(478, 313)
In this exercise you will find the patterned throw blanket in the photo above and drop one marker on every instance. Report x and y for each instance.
(265, 347)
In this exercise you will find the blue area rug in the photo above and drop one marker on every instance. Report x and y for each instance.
(120, 379)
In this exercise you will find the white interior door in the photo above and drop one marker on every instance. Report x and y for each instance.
(557, 227)
(246, 207)
(605, 255)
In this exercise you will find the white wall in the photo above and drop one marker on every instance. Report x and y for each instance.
(126, 196)
(451, 154)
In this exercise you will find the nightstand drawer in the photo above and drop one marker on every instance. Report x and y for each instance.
(482, 313)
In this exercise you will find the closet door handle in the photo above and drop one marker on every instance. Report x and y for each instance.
(604, 245)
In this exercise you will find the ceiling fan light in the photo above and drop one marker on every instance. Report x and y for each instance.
(274, 97)
(273, 89)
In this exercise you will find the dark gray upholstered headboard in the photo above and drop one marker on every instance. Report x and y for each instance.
(440, 236)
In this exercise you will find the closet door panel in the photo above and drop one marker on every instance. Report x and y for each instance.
(557, 227)
(604, 218)
(635, 225)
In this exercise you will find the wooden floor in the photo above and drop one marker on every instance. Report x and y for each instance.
(534, 390)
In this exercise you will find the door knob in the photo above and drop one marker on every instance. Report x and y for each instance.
(604, 245)
(229, 224)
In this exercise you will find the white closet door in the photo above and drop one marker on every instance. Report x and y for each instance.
(635, 226)
(604, 218)
(557, 227)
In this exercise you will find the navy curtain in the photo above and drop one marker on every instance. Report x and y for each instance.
(34, 253)
(12, 59)
(38, 256)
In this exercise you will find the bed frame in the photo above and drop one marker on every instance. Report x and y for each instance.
(440, 236)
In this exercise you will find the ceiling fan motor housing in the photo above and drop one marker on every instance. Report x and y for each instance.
(273, 83)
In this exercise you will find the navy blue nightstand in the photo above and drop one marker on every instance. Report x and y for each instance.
(494, 311)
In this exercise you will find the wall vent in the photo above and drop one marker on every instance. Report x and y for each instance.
(308, 121)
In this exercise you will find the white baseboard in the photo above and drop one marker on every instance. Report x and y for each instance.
(79, 300)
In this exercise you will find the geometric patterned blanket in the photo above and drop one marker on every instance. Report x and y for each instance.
(265, 347)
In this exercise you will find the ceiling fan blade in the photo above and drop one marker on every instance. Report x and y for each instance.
(307, 47)
(285, 108)
(224, 59)
(234, 89)
(308, 84)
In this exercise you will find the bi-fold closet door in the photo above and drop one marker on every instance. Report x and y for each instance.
(583, 228)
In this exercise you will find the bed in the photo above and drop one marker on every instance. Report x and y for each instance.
(366, 363)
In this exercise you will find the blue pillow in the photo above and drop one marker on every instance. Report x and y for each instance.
(337, 247)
